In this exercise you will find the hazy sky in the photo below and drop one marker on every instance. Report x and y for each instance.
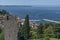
(30, 2)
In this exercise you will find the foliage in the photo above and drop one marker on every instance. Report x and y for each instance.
(40, 29)
(26, 27)
(1, 34)
(3, 12)
(0, 30)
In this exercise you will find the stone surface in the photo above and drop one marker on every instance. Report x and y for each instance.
(10, 28)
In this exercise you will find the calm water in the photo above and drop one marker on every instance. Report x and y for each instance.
(52, 13)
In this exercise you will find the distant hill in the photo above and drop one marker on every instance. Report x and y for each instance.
(15, 6)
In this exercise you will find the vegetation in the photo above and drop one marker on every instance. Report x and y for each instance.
(26, 27)
(24, 31)
(47, 31)
(1, 34)
(3, 12)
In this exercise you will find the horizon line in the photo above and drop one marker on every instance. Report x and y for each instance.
(29, 5)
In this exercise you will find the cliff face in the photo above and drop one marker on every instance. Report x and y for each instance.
(10, 27)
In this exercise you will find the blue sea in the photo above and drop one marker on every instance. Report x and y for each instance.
(35, 13)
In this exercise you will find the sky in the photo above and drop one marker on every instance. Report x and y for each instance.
(31, 2)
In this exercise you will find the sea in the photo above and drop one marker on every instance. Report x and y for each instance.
(34, 12)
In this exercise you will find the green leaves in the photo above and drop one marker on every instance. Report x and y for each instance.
(3, 12)
(26, 27)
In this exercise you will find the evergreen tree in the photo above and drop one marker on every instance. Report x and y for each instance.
(20, 35)
(20, 32)
(40, 30)
(26, 27)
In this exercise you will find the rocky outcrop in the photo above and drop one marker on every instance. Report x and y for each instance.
(10, 27)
